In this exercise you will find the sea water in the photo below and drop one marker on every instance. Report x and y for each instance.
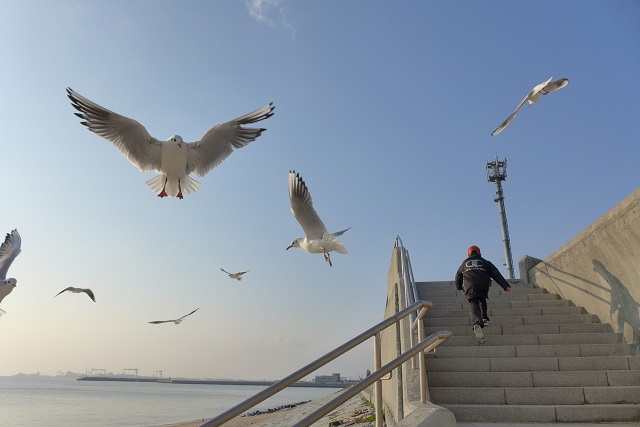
(65, 402)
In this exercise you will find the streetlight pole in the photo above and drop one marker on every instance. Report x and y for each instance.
(497, 172)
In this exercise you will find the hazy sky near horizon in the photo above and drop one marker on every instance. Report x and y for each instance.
(385, 108)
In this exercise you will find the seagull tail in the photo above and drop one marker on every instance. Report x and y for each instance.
(156, 183)
(188, 185)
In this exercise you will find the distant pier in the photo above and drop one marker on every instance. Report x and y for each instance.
(209, 382)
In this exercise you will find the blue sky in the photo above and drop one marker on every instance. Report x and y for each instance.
(385, 109)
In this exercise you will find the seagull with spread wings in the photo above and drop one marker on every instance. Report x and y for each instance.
(9, 250)
(173, 159)
(543, 88)
(77, 291)
(237, 276)
(316, 239)
(175, 321)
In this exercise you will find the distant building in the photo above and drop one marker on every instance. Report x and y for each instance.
(328, 379)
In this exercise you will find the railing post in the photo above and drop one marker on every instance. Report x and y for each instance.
(423, 367)
(377, 387)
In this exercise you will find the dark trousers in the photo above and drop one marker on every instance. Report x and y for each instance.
(478, 311)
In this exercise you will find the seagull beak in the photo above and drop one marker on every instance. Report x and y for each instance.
(289, 247)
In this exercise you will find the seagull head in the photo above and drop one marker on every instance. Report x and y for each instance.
(177, 322)
(176, 139)
(11, 281)
(294, 244)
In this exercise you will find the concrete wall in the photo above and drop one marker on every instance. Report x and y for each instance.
(599, 269)
(392, 340)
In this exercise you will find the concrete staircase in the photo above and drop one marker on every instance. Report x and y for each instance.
(545, 360)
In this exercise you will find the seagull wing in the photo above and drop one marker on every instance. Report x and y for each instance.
(223, 270)
(240, 273)
(9, 250)
(302, 208)
(340, 233)
(90, 293)
(189, 313)
(4, 291)
(509, 119)
(70, 288)
(156, 322)
(557, 85)
(219, 142)
(129, 136)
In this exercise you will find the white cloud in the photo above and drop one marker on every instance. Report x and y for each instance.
(270, 12)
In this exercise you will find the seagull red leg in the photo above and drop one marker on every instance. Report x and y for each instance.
(327, 257)
(163, 193)
(180, 196)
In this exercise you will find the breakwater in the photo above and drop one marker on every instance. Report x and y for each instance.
(214, 382)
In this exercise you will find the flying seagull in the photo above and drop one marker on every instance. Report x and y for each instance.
(543, 88)
(237, 276)
(175, 321)
(77, 291)
(173, 159)
(316, 239)
(9, 250)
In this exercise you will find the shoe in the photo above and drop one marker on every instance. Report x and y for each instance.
(479, 335)
(486, 322)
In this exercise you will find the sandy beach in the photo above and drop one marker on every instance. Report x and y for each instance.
(354, 410)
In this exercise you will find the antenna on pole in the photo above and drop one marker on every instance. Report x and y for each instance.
(497, 172)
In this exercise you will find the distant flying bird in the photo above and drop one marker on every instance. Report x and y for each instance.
(9, 250)
(176, 321)
(237, 276)
(77, 291)
(173, 159)
(533, 97)
(316, 239)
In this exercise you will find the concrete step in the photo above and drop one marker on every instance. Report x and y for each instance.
(576, 328)
(545, 360)
(570, 350)
(534, 379)
(535, 395)
(492, 299)
(462, 304)
(525, 364)
(530, 311)
(545, 413)
(447, 285)
(494, 291)
(535, 339)
(514, 320)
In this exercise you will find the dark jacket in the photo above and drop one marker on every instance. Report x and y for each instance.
(474, 277)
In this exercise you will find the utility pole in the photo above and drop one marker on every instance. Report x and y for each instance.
(497, 172)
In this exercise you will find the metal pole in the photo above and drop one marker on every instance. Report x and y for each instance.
(505, 230)
(497, 172)
(377, 386)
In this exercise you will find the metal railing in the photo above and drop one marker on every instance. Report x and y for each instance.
(406, 273)
(428, 344)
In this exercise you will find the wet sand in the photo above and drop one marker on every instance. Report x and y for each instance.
(356, 408)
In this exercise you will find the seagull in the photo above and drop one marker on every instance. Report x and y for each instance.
(543, 88)
(77, 291)
(176, 321)
(9, 250)
(316, 238)
(237, 276)
(173, 159)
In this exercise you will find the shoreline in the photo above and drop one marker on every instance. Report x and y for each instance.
(358, 408)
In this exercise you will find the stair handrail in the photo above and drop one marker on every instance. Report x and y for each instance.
(427, 344)
(410, 289)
